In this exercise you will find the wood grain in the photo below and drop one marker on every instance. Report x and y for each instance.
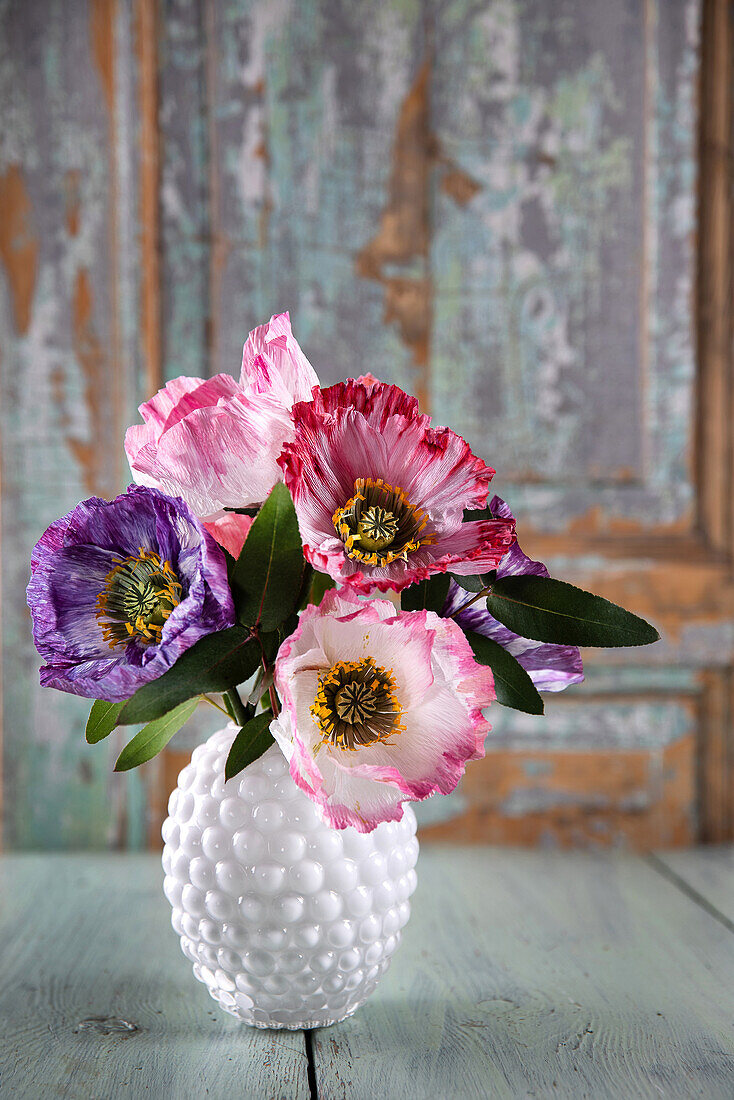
(520, 974)
(714, 285)
(716, 759)
(147, 34)
(97, 999)
(524, 974)
(593, 798)
(68, 302)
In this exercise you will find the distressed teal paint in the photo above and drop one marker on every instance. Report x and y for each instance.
(306, 113)
(635, 680)
(576, 724)
(563, 287)
(440, 808)
(184, 189)
(560, 337)
(58, 792)
(295, 191)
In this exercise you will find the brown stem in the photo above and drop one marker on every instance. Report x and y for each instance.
(271, 690)
(478, 596)
(274, 706)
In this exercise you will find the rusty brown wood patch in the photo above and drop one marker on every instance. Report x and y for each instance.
(18, 244)
(635, 799)
(102, 28)
(90, 453)
(403, 237)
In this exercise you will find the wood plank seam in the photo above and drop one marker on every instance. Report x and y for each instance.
(311, 1063)
(662, 868)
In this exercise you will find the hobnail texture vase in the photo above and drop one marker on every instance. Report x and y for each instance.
(288, 922)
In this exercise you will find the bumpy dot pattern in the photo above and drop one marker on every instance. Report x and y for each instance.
(289, 924)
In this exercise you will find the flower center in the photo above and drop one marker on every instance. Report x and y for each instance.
(139, 595)
(378, 524)
(356, 704)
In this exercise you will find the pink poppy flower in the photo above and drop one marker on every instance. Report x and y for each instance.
(379, 706)
(230, 531)
(380, 493)
(215, 442)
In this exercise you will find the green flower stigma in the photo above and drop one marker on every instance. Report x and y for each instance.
(379, 525)
(138, 597)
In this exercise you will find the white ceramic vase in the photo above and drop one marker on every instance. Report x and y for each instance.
(288, 922)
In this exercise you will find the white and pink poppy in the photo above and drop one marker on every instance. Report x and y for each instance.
(215, 442)
(380, 493)
(379, 707)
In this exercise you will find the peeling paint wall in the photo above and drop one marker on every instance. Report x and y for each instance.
(491, 204)
(69, 384)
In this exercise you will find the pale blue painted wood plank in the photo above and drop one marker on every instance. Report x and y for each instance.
(707, 871)
(98, 1001)
(532, 974)
(519, 974)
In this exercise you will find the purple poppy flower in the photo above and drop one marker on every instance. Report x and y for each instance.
(120, 589)
(551, 667)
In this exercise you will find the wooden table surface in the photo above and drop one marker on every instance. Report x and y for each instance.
(521, 974)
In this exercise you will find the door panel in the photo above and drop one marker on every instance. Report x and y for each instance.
(519, 211)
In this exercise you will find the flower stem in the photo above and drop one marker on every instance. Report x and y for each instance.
(274, 701)
(479, 595)
(271, 689)
(238, 708)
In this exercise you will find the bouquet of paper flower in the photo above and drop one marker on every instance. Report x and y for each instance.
(267, 513)
(248, 566)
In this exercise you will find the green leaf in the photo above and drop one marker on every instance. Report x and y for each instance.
(429, 595)
(475, 583)
(250, 743)
(469, 584)
(102, 720)
(230, 563)
(305, 589)
(152, 738)
(217, 662)
(228, 707)
(511, 682)
(267, 578)
(320, 585)
(272, 640)
(548, 610)
(261, 687)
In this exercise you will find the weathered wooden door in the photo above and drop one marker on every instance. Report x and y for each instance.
(517, 209)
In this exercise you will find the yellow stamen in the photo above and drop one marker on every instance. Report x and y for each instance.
(378, 524)
(357, 705)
